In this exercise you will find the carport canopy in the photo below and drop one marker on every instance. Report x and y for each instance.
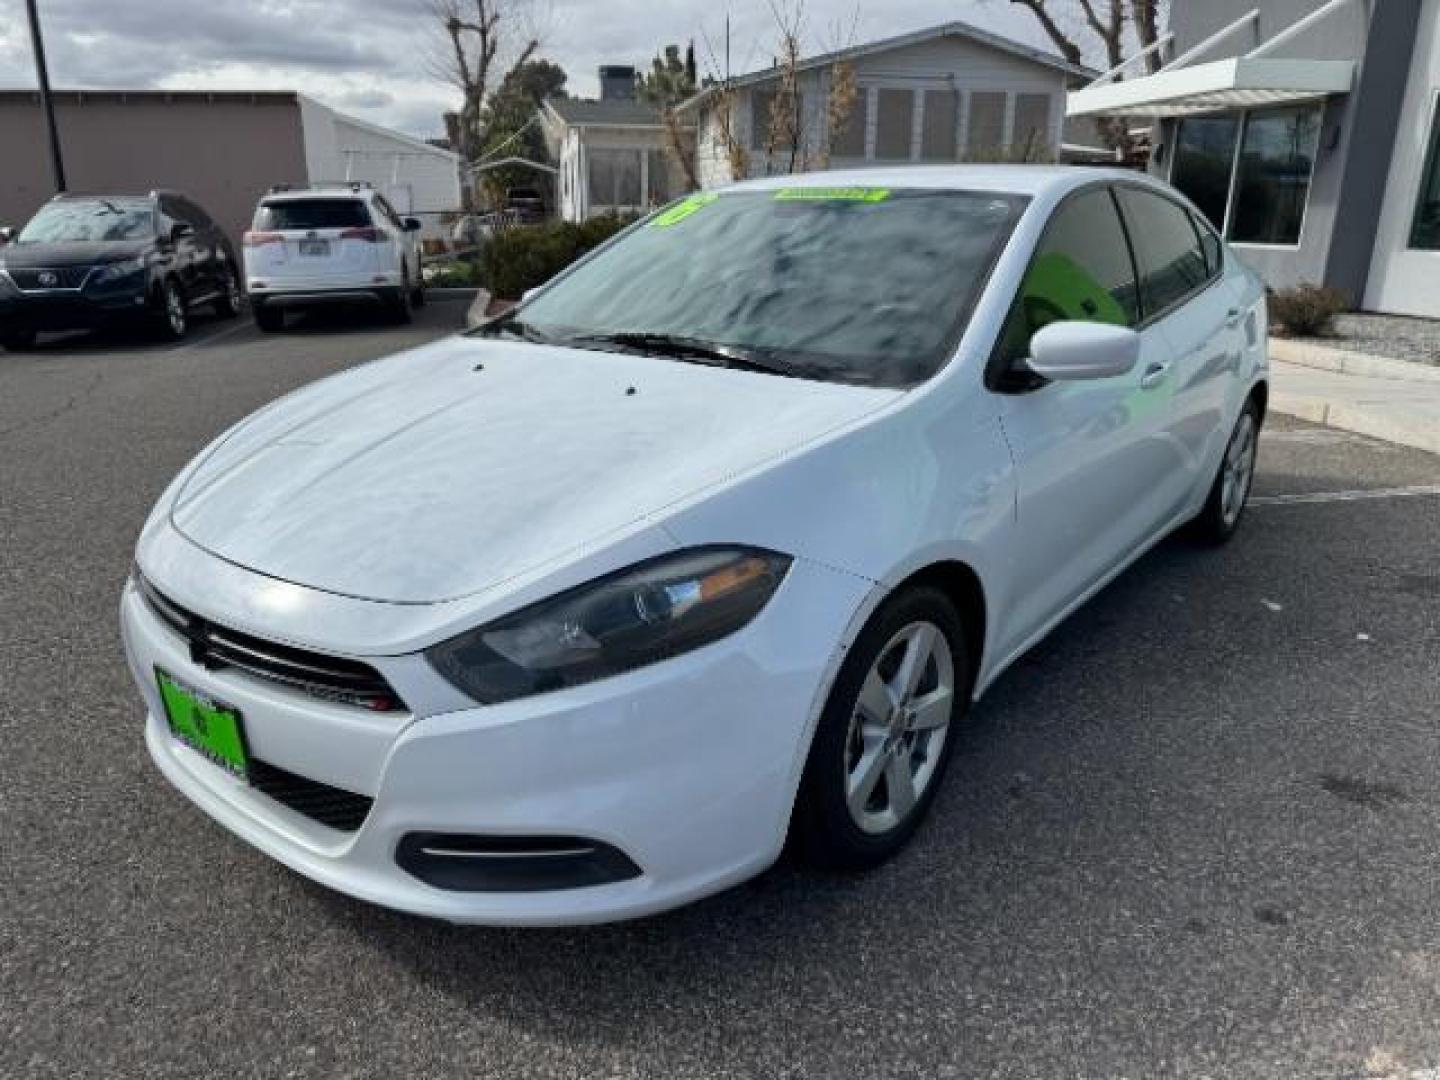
(1239, 83)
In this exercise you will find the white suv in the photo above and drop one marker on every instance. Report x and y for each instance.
(330, 244)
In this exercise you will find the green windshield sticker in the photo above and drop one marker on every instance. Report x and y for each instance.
(683, 209)
(833, 194)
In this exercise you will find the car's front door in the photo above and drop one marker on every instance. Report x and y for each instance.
(1185, 298)
(1098, 471)
(185, 248)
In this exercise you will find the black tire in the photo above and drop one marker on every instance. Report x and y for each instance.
(230, 300)
(171, 317)
(269, 319)
(417, 297)
(823, 829)
(401, 310)
(17, 340)
(1222, 514)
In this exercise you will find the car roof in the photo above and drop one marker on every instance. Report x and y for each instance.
(1032, 180)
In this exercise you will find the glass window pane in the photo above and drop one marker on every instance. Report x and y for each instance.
(1204, 156)
(627, 178)
(987, 123)
(601, 166)
(942, 109)
(849, 140)
(1172, 262)
(1277, 153)
(1081, 270)
(659, 190)
(1425, 232)
(783, 277)
(894, 124)
(1032, 124)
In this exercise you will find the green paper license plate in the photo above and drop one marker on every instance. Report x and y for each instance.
(204, 724)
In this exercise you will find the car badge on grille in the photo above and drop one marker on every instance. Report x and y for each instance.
(48, 279)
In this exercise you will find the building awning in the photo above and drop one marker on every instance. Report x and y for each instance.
(1240, 83)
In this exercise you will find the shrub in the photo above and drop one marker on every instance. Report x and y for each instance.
(454, 275)
(519, 259)
(1306, 310)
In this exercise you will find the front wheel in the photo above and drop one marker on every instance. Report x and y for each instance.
(883, 742)
(17, 340)
(1225, 505)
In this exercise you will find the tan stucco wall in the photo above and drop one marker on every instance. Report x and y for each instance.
(223, 154)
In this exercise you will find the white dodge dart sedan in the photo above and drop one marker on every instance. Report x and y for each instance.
(708, 544)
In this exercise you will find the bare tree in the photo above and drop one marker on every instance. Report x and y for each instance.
(1107, 21)
(481, 42)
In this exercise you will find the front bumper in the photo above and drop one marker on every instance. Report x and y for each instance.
(688, 767)
(37, 312)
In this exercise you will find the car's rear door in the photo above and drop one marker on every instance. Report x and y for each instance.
(1098, 473)
(1186, 300)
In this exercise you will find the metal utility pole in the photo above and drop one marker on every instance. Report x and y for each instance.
(37, 42)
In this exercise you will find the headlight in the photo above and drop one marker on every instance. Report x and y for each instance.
(117, 271)
(648, 613)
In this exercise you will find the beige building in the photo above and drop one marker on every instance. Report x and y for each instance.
(224, 150)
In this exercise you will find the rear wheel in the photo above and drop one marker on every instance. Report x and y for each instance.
(401, 307)
(269, 319)
(1220, 518)
(883, 741)
(417, 297)
(227, 304)
(172, 320)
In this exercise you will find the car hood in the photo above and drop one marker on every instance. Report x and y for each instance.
(443, 472)
(52, 256)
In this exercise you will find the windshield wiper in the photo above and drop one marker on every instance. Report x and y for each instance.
(507, 324)
(694, 349)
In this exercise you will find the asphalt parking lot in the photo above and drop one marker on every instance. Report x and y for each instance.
(1194, 833)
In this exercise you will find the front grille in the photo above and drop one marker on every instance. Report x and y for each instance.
(332, 806)
(329, 678)
(36, 279)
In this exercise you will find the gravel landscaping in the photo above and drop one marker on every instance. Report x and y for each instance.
(1395, 336)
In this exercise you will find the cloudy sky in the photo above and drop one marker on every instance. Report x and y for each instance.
(375, 58)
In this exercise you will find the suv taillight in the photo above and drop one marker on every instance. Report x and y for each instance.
(370, 236)
(258, 239)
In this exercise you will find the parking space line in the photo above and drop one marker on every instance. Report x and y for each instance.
(233, 328)
(1345, 496)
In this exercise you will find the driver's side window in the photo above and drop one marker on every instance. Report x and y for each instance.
(1081, 270)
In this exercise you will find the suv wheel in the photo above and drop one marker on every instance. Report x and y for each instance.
(227, 305)
(402, 309)
(171, 318)
(883, 741)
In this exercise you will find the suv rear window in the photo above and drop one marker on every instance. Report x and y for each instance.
(312, 214)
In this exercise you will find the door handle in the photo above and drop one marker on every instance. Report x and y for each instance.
(1154, 375)
(1233, 316)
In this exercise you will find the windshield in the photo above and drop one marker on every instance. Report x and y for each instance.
(857, 285)
(87, 220)
(312, 214)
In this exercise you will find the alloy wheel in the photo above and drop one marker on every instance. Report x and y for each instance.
(898, 727)
(1239, 468)
(175, 311)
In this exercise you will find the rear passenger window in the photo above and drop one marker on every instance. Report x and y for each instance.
(286, 214)
(1214, 256)
(1167, 248)
(1081, 271)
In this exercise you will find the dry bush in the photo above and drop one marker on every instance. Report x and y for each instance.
(1306, 310)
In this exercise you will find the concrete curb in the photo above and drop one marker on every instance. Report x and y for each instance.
(1345, 362)
(1356, 418)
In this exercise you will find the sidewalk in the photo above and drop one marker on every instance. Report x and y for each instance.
(1391, 403)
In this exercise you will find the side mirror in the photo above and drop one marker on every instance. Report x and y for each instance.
(413, 224)
(181, 230)
(1067, 351)
(6, 234)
